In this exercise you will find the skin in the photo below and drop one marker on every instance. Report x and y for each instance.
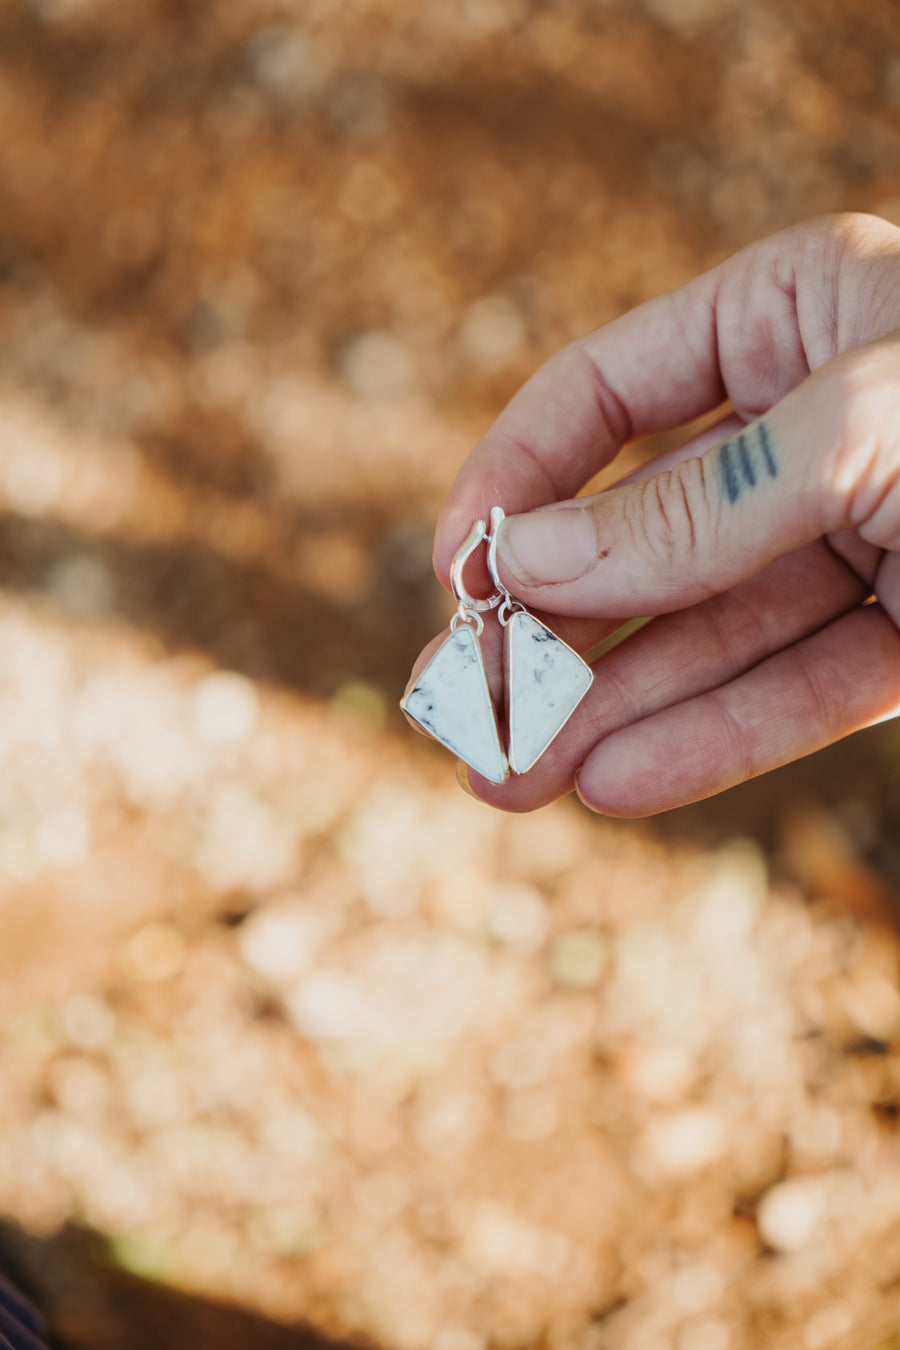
(769, 548)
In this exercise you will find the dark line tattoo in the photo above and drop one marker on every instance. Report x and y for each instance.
(765, 446)
(747, 468)
(739, 463)
(729, 473)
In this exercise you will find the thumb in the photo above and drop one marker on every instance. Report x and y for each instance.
(825, 458)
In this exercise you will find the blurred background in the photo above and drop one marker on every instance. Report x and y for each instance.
(300, 1046)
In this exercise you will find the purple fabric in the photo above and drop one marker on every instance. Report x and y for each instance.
(20, 1325)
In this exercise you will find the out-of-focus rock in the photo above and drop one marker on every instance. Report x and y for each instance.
(155, 952)
(793, 1215)
(872, 1000)
(493, 332)
(684, 1141)
(63, 838)
(88, 1021)
(448, 1120)
(225, 709)
(518, 916)
(657, 1071)
(579, 959)
(328, 1007)
(377, 366)
(280, 940)
(827, 1325)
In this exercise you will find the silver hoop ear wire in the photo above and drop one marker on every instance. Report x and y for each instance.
(468, 605)
(498, 516)
(508, 606)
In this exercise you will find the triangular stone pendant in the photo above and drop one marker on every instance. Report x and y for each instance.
(452, 702)
(545, 682)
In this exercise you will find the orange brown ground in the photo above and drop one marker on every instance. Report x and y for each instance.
(298, 1045)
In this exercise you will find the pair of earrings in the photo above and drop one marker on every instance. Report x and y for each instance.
(545, 679)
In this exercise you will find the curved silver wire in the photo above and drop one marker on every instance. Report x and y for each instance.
(508, 606)
(467, 603)
(498, 515)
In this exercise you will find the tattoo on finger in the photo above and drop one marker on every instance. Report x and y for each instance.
(743, 464)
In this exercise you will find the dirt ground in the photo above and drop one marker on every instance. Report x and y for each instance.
(300, 1046)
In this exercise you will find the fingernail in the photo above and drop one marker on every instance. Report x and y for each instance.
(548, 546)
(462, 777)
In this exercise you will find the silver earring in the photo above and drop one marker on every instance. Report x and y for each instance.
(545, 679)
(451, 699)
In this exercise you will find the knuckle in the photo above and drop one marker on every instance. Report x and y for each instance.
(737, 631)
(851, 233)
(863, 476)
(820, 692)
(854, 226)
(670, 513)
(732, 743)
(860, 386)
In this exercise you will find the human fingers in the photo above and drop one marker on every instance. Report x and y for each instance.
(842, 678)
(825, 459)
(582, 632)
(750, 330)
(682, 655)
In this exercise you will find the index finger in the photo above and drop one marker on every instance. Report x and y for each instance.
(576, 412)
(740, 331)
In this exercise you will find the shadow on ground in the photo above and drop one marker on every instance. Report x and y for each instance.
(92, 1304)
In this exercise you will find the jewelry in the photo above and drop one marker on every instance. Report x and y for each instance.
(451, 699)
(545, 679)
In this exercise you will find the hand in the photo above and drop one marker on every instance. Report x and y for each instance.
(760, 543)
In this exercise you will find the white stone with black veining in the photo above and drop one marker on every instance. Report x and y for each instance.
(452, 702)
(546, 681)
